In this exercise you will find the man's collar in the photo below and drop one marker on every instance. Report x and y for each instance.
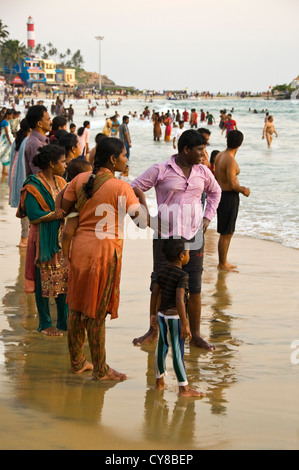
(39, 136)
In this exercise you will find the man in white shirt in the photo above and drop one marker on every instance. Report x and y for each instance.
(178, 132)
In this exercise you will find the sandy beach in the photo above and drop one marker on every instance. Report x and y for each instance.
(250, 381)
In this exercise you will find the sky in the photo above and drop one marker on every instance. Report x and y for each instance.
(210, 45)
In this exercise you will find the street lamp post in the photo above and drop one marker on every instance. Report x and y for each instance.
(100, 38)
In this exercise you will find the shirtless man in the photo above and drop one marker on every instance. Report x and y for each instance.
(269, 130)
(226, 171)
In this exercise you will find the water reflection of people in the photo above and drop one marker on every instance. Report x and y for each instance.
(160, 424)
(220, 362)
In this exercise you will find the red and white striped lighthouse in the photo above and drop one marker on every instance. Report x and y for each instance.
(30, 34)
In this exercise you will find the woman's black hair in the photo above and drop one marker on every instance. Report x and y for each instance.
(80, 131)
(172, 248)
(85, 124)
(213, 156)
(58, 121)
(105, 149)
(8, 112)
(48, 154)
(67, 140)
(22, 133)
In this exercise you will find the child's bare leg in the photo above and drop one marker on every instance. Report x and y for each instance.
(160, 384)
(185, 391)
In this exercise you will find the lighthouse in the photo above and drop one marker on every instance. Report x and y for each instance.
(30, 36)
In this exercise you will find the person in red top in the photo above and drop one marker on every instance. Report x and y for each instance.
(193, 118)
(185, 115)
(202, 115)
(229, 125)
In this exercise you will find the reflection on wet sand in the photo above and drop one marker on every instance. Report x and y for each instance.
(39, 368)
(44, 406)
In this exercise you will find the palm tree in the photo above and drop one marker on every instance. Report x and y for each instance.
(3, 31)
(38, 48)
(12, 53)
(77, 60)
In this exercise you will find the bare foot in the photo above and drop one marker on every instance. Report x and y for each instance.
(114, 375)
(185, 391)
(51, 331)
(87, 366)
(160, 384)
(199, 342)
(23, 243)
(227, 267)
(149, 337)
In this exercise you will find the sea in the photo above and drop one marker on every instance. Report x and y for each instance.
(271, 211)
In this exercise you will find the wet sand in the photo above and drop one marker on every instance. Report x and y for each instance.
(251, 384)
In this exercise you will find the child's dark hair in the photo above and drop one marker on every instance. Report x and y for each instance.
(76, 166)
(172, 248)
(104, 150)
(48, 154)
(213, 156)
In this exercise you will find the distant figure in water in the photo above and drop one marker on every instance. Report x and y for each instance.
(269, 130)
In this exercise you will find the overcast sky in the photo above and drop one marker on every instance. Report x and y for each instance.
(215, 45)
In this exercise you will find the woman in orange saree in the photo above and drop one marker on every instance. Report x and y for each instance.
(95, 256)
(167, 123)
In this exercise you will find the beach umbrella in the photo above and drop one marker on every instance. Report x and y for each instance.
(17, 81)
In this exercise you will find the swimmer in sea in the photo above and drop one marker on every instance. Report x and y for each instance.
(269, 130)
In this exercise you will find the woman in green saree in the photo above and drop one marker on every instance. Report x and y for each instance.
(46, 271)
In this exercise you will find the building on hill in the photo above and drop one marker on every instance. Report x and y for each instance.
(295, 83)
(34, 71)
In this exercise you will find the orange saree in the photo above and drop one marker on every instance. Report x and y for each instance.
(96, 250)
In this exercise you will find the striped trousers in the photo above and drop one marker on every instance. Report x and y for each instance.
(170, 332)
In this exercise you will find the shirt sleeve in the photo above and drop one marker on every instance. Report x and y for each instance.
(213, 192)
(183, 280)
(148, 179)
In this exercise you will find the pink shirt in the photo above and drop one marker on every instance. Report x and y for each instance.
(181, 196)
(83, 139)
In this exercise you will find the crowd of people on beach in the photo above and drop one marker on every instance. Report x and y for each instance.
(72, 200)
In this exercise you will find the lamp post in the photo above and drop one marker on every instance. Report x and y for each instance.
(100, 38)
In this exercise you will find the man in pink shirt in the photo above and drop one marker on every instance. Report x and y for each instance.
(179, 184)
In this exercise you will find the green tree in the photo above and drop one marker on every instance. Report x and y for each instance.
(12, 53)
(77, 60)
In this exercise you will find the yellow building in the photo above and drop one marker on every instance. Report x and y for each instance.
(69, 76)
(49, 68)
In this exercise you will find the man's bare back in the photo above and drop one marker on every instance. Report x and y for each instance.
(226, 174)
